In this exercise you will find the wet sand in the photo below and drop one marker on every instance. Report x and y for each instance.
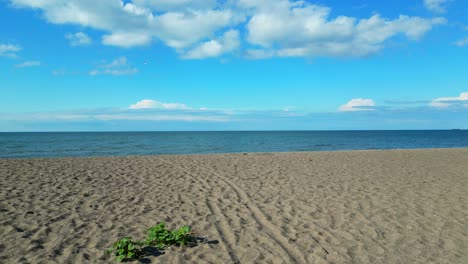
(397, 206)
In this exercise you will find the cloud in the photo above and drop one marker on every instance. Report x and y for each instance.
(78, 39)
(121, 61)
(174, 5)
(296, 29)
(215, 48)
(116, 67)
(462, 42)
(436, 6)
(155, 115)
(127, 39)
(161, 117)
(112, 114)
(256, 54)
(358, 104)
(283, 28)
(153, 104)
(135, 24)
(444, 102)
(58, 72)
(9, 50)
(182, 29)
(406, 102)
(107, 119)
(28, 64)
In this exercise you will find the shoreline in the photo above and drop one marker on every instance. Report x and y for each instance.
(364, 206)
(241, 153)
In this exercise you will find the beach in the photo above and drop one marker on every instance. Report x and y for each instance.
(391, 206)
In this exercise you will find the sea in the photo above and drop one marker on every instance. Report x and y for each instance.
(84, 144)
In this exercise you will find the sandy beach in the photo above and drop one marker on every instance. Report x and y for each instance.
(398, 206)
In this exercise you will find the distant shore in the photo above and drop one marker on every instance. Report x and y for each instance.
(378, 206)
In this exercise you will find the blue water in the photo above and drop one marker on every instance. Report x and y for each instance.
(15, 145)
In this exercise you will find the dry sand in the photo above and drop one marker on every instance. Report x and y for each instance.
(327, 207)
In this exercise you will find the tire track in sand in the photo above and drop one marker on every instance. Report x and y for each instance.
(224, 232)
(293, 253)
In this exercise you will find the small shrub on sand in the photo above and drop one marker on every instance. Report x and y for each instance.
(161, 237)
(126, 248)
(158, 238)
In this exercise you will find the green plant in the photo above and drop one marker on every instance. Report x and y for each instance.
(158, 237)
(182, 236)
(161, 237)
(125, 248)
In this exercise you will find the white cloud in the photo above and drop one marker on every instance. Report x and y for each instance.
(183, 29)
(358, 104)
(121, 61)
(258, 54)
(193, 27)
(78, 39)
(451, 101)
(171, 5)
(161, 117)
(436, 6)
(462, 42)
(127, 39)
(115, 72)
(215, 48)
(9, 50)
(119, 66)
(118, 115)
(301, 29)
(152, 104)
(135, 24)
(103, 15)
(27, 64)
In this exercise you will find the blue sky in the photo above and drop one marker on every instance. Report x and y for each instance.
(233, 65)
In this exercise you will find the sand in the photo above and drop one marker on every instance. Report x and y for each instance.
(394, 206)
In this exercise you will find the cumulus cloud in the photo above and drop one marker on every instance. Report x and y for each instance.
(28, 64)
(182, 29)
(153, 104)
(135, 24)
(444, 102)
(462, 42)
(194, 28)
(78, 39)
(358, 104)
(215, 48)
(9, 50)
(291, 29)
(436, 6)
(119, 66)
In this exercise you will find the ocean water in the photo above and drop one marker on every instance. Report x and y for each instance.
(23, 145)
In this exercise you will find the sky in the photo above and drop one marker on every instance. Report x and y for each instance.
(164, 65)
